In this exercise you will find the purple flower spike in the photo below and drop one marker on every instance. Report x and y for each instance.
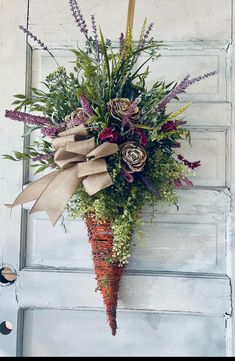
(128, 177)
(178, 183)
(35, 38)
(40, 43)
(81, 23)
(129, 112)
(143, 139)
(43, 157)
(146, 35)
(191, 165)
(181, 182)
(171, 126)
(27, 118)
(52, 132)
(94, 28)
(86, 106)
(151, 188)
(109, 133)
(121, 40)
(180, 88)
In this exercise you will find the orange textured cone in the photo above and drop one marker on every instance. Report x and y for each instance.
(108, 274)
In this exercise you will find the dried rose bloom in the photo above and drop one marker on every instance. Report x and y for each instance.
(119, 108)
(77, 117)
(133, 157)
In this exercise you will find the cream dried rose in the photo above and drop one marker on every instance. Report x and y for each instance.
(119, 107)
(77, 117)
(133, 157)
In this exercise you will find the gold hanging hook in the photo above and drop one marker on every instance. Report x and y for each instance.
(130, 16)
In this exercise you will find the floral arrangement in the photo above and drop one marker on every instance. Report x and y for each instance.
(110, 142)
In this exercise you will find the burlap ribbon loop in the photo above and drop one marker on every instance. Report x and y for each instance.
(80, 160)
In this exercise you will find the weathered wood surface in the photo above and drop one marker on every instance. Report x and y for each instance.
(176, 283)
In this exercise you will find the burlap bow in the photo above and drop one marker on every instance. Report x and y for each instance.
(79, 161)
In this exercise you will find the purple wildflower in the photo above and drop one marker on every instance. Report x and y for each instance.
(180, 182)
(121, 40)
(171, 126)
(52, 132)
(129, 112)
(143, 139)
(27, 118)
(109, 133)
(86, 106)
(180, 88)
(128, 177)
(146, 35)
(176, 145)
(40, 43)
(187, 181)
(79, 19)
(43, 157)
(191, 165)
(35, 38)
(94, 28)
(151, 188)
(148, 31)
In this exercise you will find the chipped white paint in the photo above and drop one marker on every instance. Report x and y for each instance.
(12, 75)
(164, 246)
(148, 328)
(175, 295)
(172, 293)
(176, 20)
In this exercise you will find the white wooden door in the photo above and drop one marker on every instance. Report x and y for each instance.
(176, 295)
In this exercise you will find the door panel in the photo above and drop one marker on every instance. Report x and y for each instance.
(175, 296)
(142, 291)
(85, 333)
(179, 242)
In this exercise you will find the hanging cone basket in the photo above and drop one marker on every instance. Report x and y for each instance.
(108, 274)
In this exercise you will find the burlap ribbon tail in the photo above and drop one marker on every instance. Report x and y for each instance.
(80, 160)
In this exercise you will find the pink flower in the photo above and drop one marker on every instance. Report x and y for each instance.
(187, 182)
(52, 132)
(191, 165)
(184, 181)
(171, 126)
(110, 134)
(178, 183)
(128, 177)
(86, 106)
(143, 139)
(168, 127)
(176, 145)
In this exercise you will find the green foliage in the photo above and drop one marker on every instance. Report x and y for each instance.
(40, 152)
(102, 73)
(57, 100)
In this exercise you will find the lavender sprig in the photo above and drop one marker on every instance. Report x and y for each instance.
(146, 35)
(191, 165)
(35, 38)
(121, 40)
(79, 19)
(129, 112)
(94, 28)
(38, 41)
(86, 106)
(43, 157)
(27, 118)
(180, 88)
(52, 132)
